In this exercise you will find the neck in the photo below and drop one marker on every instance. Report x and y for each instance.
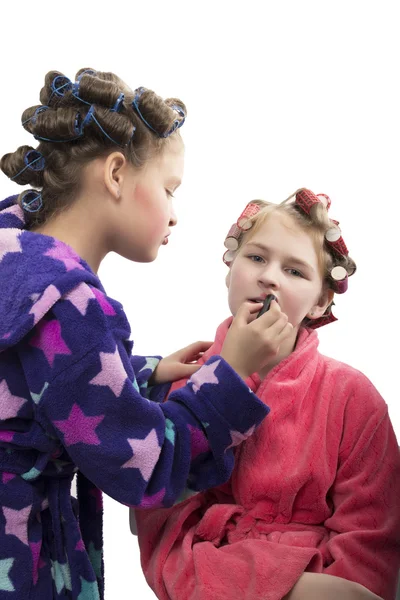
(81, 229)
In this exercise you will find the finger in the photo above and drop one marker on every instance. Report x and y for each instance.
(188, 370)
(191, 351)
(246, 311)
(285, 332)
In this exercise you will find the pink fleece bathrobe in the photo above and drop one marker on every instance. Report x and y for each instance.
(316, 488)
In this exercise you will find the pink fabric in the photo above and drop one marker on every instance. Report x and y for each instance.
(316, 488)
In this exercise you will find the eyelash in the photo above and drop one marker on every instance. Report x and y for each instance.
(170, 194)
(253, 256)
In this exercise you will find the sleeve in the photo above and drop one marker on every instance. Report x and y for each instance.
(139, 452)
(143, 368)
(364, 542)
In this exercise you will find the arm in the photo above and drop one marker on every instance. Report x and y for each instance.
(364, 543)
(139, 452)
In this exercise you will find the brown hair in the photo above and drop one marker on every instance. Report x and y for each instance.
(67, 142)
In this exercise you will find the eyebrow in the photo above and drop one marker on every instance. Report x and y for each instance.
(290, 259)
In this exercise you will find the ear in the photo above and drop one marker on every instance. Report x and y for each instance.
(325, 299)
(113, 172)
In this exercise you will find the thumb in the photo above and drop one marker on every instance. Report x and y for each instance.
(246, 311)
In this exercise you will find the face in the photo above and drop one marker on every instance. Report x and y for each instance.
(279, 259)
(146, 212)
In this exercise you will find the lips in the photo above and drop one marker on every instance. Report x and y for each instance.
(165, 242)
(261, 299)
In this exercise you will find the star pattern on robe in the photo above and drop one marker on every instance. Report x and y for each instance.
(17, 522)
(80, 297)
(95, 559)
(66, 255)
(237, 437)
(112, 374)
(206, 374)
(6, 584)
(79, 428)
(198, 441)
(35, 551)
(170, 431)
(151, 363)
(37, 397)
(15, 210)
(9, 242)
(61, 575)
(9, 404)
(49, 297)
(89, 590)
(105, 305)
(6, 436)
(49, 340)
(154, 500)
(6, 477)
(145, 454)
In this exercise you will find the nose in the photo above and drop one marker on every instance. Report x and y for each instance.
(173, 218)
(268, 277)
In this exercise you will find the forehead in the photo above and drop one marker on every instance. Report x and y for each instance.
(281, 232)
(171, 158)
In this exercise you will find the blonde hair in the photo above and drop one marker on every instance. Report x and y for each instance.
(315, 225)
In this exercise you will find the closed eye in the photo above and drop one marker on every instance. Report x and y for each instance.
(170, 194)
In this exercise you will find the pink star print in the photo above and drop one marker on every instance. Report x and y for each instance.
(79, 428)
(35, 551)
(204, 375)
(17, 522)
(66, 255)
(80, 297)
(49, 297)
(154, 500)
(49, 340)
(145, 454)
(112, 372)
(199, 442)
(9, 242)
(9, 404)
(7, 477)
(105, 305)
(237, 437)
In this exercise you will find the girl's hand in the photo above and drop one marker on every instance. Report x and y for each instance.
(250, 342)
(180, 364)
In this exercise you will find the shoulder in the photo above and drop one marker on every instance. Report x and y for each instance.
(352, 385)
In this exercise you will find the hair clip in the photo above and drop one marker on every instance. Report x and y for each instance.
(232, 239)
(60, 86)
(340, 279)
(31, 201)
(177, 123)
(244, 222)
(118, 103)
(34, 161)
(228, 257)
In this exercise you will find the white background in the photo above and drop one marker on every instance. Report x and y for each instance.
(280, 95)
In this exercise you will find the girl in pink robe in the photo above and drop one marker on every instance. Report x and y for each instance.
(312, 508)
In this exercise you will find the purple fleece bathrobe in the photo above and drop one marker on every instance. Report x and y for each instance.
(74, 400)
